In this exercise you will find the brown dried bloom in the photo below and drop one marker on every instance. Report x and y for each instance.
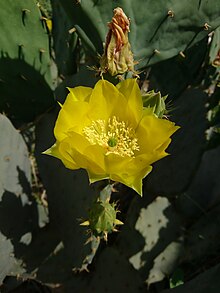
(117, 57)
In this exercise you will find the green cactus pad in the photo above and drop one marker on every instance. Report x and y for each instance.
(159, 29)
(17, 211)
(65, 41)
(25, 77)
(172, 174)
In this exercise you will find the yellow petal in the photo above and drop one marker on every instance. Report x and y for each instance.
(152, 132)
(72, 116)
(80, 93)
(106, 101)
(93, 177)
(129, 88)
(89, 157)
(129, 171)
(137, 179)
(56, 151)
(95, 160)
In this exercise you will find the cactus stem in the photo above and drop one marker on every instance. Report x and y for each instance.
(206, 26)
(170, 13)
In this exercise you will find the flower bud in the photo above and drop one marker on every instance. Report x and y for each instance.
(117, 57)
(102, 219)
(156, 102)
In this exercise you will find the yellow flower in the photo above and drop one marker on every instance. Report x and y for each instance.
(108, 132)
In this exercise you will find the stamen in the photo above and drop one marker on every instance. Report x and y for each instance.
(114, 136)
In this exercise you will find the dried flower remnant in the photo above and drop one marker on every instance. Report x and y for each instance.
(117, 57)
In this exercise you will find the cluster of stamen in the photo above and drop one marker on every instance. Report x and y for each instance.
(114, 136)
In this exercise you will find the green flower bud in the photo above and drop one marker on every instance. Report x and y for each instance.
(155, 102)
(102, 219)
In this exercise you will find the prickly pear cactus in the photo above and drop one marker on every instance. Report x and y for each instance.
(157, 252)
(65, 41)
(25, 63)
(169, 178)
(63, 231)
(159, 30)
(15, 198)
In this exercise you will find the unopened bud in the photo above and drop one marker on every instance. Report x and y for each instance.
(102, 219)
(156, 102)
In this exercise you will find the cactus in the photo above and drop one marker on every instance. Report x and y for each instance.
(175, 224)
(183, 71)
(102, 219)
(24, 62)
(203, 238)
(202, 194)
(213, 135)
(187, 147)
(18, 284)
(199, 205)
(159, 227)
(158, 30)
(155, 102)
(114, 274)
(65, 41)
(14, 198)
(9, 263)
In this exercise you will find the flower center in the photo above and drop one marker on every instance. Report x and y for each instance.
(115, 136)
(112, 142)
